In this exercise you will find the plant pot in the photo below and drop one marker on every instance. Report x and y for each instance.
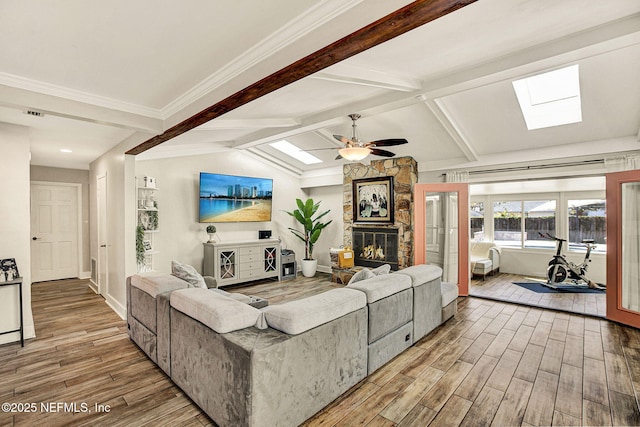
(211, 236)
(309, 267)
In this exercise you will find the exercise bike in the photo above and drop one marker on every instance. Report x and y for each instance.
(560, 269)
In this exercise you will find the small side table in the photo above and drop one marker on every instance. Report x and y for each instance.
(18, 282)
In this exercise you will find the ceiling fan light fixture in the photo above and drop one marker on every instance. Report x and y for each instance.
(354, 153)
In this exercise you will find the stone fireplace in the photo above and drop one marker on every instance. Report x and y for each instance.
(375, 246)
(404, 171)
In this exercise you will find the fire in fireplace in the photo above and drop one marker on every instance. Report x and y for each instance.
(375, 246)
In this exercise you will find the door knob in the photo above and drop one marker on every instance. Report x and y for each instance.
(34, 238)
(103, 246)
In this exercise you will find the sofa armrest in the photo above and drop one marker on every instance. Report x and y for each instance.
(494, 256)
(210, 281)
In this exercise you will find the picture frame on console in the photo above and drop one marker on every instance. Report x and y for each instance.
(373, 200)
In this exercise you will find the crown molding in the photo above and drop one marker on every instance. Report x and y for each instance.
(31, 85)
(304, 24)
(313, 18)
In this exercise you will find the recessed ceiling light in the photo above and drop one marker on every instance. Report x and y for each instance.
(550, 99)
(291, 150)
(65, 150)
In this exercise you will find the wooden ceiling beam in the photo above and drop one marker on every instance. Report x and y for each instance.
(397, 23)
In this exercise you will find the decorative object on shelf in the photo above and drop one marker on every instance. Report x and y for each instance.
(146, 244)
(264, 234)
(149, 182)
(312, 227)
(150, 202)
(211, 231)
(148, 220)
(373, 200)
(9, 269)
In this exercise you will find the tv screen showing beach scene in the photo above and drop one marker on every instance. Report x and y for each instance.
(231, 198)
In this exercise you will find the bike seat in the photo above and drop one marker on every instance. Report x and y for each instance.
(588, 241)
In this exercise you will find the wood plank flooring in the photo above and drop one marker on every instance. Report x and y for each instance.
(495, 363)
(501, 287)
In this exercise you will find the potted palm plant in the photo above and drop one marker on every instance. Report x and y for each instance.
(312, 227)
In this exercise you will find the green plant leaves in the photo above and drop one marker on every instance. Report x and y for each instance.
(312, 226)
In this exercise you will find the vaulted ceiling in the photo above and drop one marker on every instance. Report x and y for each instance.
(100, 72)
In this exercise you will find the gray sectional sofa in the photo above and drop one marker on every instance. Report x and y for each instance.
(281, 364)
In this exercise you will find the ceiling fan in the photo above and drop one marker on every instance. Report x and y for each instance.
(355, 149)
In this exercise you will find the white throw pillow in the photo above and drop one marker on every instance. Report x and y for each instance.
(383, 269)
(363, 274)
(188, 274)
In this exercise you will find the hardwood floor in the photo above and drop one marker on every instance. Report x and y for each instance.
(501, 287)
(495, 363)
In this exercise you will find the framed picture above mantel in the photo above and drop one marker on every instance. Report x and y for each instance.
(373, 200)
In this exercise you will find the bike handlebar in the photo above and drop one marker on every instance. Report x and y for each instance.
(549, 236)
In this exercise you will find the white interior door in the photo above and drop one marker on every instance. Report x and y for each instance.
(101, 194)
(54, 231)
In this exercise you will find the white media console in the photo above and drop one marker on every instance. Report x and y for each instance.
(237, 262)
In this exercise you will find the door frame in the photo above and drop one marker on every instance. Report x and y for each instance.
(420, 194)
(615, 311)
(103, 288)
(79, 235)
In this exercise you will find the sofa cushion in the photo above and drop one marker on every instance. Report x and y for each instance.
(449, 293)
(157, 283)
(363, 274)
(298, 316)
(383, 269)
(379, 287)
(218, 312)
(481, 266)
(422, 273)
(188, 274)
(236, 296)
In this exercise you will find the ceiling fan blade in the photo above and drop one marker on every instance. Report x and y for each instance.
(343, 139)
(383, 153)
(388, 142)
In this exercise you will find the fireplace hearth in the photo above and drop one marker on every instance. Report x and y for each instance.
(375, 246)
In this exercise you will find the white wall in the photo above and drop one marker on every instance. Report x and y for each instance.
(119, 170)
(15, 228)
(181, 235)
(534, 263)
(332, 236)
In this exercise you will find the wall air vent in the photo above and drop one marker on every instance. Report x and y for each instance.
(34, 113)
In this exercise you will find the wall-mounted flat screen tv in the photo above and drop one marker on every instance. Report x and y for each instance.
(231, 198)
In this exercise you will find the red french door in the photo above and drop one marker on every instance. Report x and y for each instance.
(441, 218)
(623, 247)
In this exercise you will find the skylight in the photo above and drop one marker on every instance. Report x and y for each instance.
(291, 150)
(550, 99)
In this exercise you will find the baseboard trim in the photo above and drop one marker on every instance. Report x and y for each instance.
(324, 269)
(117, 307)
(85, 275)
(93, 286)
